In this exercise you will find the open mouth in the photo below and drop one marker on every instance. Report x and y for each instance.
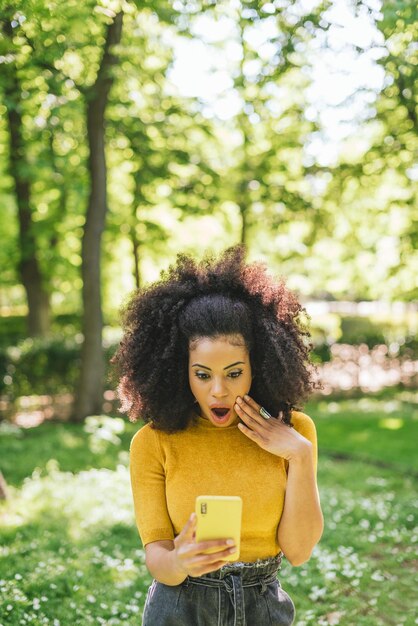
(220, 414)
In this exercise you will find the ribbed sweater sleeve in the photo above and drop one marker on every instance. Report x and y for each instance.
(306, 427)
(148, 487)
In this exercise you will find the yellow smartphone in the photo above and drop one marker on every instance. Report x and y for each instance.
(219, 517)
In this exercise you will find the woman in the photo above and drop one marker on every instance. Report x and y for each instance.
(214, 360)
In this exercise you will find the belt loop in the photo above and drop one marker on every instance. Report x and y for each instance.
(263, 587)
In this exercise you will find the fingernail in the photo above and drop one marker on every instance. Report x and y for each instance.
(230, 542)
(246, 397)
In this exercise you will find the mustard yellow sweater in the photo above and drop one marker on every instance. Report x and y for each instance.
(168, 471)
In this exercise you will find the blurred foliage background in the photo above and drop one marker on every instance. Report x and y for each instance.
(133, 130)
(110, 168)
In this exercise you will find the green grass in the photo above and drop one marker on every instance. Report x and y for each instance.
(24, 450)
(71, 554)
(365, 565)
(377, 429)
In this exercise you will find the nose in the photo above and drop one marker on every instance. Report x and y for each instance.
(218, 388)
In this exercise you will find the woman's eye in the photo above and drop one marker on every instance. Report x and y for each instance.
(202, 375)
(205, 376)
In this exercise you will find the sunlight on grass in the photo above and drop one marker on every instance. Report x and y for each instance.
(103, 430)
(361, 437)
(391, 423)
(72, 529)
(96, 498)
(382, 428)
(69, 440)
(362, 406)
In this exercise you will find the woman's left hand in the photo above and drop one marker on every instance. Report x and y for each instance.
(272, 434)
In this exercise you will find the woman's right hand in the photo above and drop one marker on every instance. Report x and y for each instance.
(189, 556)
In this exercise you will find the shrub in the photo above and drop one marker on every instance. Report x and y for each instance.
(13, 330)
(39, 366)
(321, 353)
(42, 366)
(356, 330)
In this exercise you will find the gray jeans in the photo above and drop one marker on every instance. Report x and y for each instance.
(237, 594)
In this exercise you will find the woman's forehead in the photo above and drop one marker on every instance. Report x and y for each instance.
(216, 346)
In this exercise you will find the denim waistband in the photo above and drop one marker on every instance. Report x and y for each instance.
(233, 577)
(250, 572)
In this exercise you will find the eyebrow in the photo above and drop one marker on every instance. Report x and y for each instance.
(225, 368)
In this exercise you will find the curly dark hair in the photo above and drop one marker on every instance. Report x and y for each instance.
(212, 298)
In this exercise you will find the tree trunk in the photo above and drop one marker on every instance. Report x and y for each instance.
(3, 488)
(138, 198)
(61, 184)
(242, 199)
(89, 396)
(30, 272)
(135, 246)
(246, 174)
(243, 209)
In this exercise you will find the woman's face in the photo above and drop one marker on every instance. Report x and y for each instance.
(219, 371)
